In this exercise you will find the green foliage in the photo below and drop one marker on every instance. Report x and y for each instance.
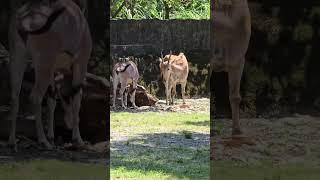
(153, 9)
(98, 63)
(303, 32)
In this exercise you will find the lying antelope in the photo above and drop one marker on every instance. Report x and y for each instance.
(56, 35)
(125, 73)
(231, 33)
(174, 70)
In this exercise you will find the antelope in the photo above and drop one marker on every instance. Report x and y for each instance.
(56, 36)
(174, 70)
(125, 73)
(232, 30)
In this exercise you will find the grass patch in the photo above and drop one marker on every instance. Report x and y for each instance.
(162, 145)
(265, 171)
(52, 170)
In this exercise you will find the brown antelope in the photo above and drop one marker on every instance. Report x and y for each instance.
(174, 70)
(125, 73)
(231, 34)
(56, 36)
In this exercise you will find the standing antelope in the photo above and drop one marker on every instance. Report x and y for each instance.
(56, 35)
(174, 70)
(125, 73)
(232, 31)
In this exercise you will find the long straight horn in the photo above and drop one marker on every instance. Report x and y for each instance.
(170, 54)
(161, 54)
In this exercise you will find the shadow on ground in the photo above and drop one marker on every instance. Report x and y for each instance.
(30, 150)
(182, 155)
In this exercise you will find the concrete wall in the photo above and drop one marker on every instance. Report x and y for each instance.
(140, 37)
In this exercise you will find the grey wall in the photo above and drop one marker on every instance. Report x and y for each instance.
(140, 37)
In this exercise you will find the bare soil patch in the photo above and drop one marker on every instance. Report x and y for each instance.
(200, 105)
(282, 140)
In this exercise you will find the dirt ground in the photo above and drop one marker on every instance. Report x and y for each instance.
(279, 140)
(200, 105)
(29, 150)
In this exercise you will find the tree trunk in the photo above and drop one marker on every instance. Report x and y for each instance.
(166, 10)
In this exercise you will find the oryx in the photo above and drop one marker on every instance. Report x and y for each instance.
(231, 34)
(56, 36)
(125, 73)
(174, 70)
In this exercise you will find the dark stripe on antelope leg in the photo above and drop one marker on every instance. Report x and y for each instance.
(133, 89)
(52, 92)
(74, 91)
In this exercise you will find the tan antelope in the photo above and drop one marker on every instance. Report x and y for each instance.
(125, 73)
(174, 70)
(56, 36)
(231, 33)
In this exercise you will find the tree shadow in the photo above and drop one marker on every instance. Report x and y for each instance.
(169, 153)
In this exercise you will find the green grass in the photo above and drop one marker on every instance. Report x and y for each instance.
(266, 171)
(147, 152)
(52, 170)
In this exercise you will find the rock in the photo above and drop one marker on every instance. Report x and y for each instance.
(93, 122)
(143, 97)
(93, 114)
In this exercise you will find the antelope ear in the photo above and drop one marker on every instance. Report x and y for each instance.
(160, 60)
(161, 54)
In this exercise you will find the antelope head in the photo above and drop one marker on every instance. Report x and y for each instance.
(34, 15)
(165, 66)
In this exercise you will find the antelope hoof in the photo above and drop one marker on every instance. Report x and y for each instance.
(46, 145)
(13, 147)
(78, 143)
(51, 140)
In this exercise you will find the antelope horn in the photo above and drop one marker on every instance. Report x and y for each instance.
(170, 55)
(161, 54)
